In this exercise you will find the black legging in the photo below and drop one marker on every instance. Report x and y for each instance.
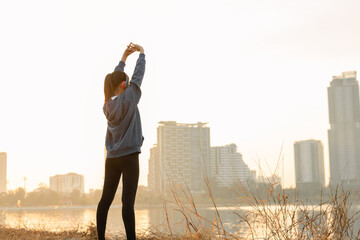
(128, 166)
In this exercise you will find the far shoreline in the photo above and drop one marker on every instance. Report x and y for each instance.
(137, 206)
(76, 207)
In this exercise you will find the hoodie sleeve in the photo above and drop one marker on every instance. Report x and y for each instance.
(133, 92)
(139, 71)
(120, 66)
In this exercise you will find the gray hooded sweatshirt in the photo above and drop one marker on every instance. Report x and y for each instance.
(124, 133)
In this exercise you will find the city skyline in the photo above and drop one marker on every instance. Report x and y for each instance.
(257, 71)
(343, 112)
(305, 170)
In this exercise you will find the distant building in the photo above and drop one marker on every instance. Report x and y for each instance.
(183, 150)
(67, 183)
(3, 169)
(154, 180)
(344, 132)
(228, 168)
(309, 162)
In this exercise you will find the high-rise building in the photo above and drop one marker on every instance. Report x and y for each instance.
(154, 180)
(227, 167)
(67, 183)
(344, 132)
(309, 162)
(183, 150)
(3, 163)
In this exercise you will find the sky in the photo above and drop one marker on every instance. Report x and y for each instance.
(256, 71)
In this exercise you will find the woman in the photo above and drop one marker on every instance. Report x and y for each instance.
(123, 140)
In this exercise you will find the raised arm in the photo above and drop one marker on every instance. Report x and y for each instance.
(128, 51)
(133, 92)
(139, 71)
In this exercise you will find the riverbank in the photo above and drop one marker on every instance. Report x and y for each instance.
(7, 233)
(38, 234)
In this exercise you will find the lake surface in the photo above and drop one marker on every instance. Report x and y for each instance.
(149, 218)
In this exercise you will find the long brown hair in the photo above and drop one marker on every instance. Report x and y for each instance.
(112, 81)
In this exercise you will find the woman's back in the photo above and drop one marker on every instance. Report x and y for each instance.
(124, 132)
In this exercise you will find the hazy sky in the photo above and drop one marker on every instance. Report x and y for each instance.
(257, 71)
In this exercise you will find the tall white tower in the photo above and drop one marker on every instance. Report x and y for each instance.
(344, 132)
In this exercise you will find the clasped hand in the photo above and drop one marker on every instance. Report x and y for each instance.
(132, 48)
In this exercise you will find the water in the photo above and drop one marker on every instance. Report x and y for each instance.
(147, 218)
(150, 218)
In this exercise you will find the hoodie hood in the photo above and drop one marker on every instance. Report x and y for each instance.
(119, 114)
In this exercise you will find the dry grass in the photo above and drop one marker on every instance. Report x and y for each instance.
(281, 216)
(40, 234)
(7, 233)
